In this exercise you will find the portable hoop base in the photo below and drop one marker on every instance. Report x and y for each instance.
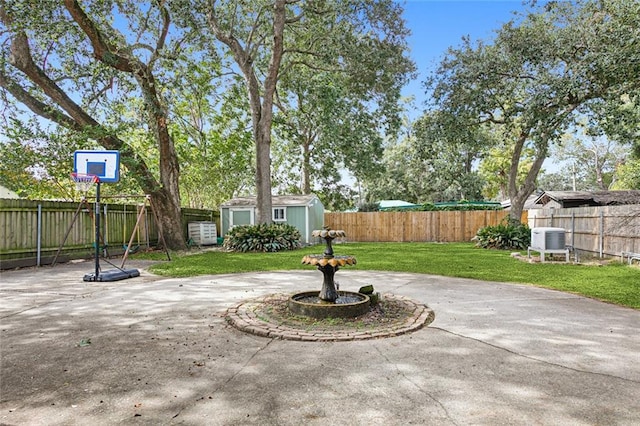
(112, 275)
(116, 274)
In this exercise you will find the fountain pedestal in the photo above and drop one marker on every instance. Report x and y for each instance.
(329, 292)
(329, 302)
(328, 264)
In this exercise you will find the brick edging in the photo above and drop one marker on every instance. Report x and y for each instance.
(244, 318)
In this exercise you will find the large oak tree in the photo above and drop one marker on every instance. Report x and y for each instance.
(540, 75)
(74, 64)
(361, 41)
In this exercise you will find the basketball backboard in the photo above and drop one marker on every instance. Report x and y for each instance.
(104, 164)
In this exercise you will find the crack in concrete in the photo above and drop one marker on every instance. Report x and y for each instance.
(577, 370)
(65, 298)
(417, 386)
(36, 292)
(229, 379)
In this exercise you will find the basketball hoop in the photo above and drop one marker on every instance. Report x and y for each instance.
(84, 181)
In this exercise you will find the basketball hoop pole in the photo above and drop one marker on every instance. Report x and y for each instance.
(101, 166)
(97, 252)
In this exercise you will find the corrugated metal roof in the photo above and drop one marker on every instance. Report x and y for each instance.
(276, 200)
(388, 204)
(603, 198)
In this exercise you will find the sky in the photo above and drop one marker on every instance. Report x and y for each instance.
(437, 25)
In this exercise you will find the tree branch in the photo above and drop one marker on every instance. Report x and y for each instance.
(102, 49)
(38, 107)
(166, 22)
(21, 59)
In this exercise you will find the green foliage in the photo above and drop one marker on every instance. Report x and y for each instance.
(628, 175)
(212, 138)
(369, 206)
(592, 158)
(449, 207)
(495, 169)
(433, 162)
(339, 105)
(263, 237)
(541, 73)
(402, 177)
(504, 236)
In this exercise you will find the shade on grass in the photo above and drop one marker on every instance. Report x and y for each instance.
(615, 282)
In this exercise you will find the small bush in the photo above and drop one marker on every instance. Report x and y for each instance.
(369, 206)
(504, 236)
(449, 207)
(263, 237)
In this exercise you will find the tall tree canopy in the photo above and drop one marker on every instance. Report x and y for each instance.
(541, 74)
(81, 65)
(357, 45)
(151, 80)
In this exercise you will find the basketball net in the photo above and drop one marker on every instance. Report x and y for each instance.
(84, 181)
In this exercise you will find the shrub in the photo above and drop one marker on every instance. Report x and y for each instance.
(369, 206)
(450, 206)
(504, 236)
(263, 237)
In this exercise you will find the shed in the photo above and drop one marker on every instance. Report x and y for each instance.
(569, 199)
(7, 193)
(305, 212)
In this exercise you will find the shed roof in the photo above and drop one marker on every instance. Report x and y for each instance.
(276, 200)
(532, 202)
(7, 193)
(601, 198)
(391, 204)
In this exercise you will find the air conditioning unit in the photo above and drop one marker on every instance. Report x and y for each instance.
(203, 233)
(548, 239)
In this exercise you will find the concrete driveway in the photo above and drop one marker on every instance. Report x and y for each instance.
(157, 351)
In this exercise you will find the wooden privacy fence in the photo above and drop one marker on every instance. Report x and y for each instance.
(31, 232)
(605, 231)
(442, 226)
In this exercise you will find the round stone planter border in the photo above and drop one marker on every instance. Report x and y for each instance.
(244, 318)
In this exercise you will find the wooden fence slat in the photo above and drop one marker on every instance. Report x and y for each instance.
(620, 231)
(443, 226)
(19, 223)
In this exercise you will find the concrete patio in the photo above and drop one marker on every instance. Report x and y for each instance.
(156, 351)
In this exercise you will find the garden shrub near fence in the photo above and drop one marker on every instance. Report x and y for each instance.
(263, 237)
(505, 236)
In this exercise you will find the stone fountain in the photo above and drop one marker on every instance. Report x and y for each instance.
(329, 302)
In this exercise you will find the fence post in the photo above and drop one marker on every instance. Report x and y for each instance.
(573, 231)
(601, 245)
(105, 249)
(39, 237)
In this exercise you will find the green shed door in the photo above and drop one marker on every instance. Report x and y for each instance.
(240, 217)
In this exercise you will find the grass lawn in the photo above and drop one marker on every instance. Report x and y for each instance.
(615, 282)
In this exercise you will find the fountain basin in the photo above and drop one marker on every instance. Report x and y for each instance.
(321, 260)
(348, 305)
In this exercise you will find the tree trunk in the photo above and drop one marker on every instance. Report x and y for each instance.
(519, 193)
(263, 173)
(169, 218)
(306, 167)
(260, 99)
